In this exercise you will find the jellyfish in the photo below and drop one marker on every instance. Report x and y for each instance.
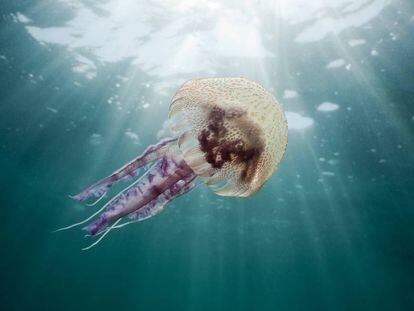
(227, 133)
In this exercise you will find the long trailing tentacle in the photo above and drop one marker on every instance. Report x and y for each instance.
(130, 170)
(168, 178)
(155, 207)
(102, 236)
(103, 207)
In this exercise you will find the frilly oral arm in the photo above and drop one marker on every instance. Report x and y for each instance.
(128, 171)
(168, 179)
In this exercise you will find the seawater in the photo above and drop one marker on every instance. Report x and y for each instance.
(85, 87)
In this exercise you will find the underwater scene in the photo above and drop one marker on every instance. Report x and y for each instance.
(207, 155)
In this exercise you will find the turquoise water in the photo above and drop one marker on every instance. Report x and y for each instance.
(85, 88)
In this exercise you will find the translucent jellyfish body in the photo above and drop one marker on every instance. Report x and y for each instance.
(228, 133)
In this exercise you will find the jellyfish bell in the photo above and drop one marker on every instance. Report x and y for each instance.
(228, 133)
(232, 133)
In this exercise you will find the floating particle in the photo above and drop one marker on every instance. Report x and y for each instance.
(327, 106)
(289, 94)
(337, 63)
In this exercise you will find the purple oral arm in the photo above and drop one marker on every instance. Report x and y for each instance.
(165, 181)
(128, 171)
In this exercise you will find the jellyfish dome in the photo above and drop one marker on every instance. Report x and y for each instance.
(228, 133)
(232, 133)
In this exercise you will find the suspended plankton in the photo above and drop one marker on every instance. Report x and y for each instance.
(229, 133)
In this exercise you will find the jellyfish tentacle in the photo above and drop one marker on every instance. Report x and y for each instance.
(96, 201)
(169, 178)
(150, 209)
(128, 171)
(103, 207)
(102, 236)
(158, 205)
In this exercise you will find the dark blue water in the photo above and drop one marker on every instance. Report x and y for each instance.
(86, 85)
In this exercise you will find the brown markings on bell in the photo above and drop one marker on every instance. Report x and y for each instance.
(219, 149)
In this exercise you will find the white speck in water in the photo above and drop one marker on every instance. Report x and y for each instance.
(322, 159)
(52, 109)
(374, 52)
(373, 150)
(327, 173)
(22, 18)
(333, 162)
(337, 63)
(290, 94)
(382, 161)
(297, 121)
(327, 106)
(96, 139)
(356, 42)
(132, 135)
(348, 67)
